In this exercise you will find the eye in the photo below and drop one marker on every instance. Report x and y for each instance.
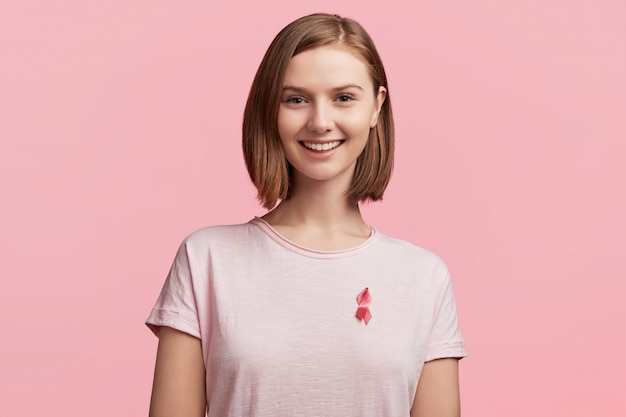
(345, 98)
(294, 100)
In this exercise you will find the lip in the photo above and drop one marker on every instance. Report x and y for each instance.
(321, 154)
(320, 141)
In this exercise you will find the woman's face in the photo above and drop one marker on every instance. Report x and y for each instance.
(327, 108)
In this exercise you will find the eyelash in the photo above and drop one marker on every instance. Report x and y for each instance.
(342, 98)
(295, 100)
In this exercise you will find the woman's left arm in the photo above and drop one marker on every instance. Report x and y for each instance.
(438, 390)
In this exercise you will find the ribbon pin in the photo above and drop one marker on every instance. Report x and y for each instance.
(363, 311)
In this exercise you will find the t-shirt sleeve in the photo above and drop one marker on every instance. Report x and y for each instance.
(176, 306)
(445, 339)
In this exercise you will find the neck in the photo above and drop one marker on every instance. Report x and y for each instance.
(320, 213)
(318, 205)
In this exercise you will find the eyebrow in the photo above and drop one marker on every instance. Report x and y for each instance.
(304, 90)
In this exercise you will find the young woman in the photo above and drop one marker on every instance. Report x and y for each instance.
(308, 311)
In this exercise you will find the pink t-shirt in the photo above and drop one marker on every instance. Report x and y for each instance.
(278, 324)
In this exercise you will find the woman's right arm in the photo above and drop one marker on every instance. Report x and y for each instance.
(179, 376)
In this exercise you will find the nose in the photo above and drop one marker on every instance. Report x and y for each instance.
(320, 119)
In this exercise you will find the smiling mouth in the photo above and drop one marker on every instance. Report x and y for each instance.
(321, 147)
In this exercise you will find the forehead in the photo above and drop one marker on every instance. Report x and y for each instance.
(327, 64)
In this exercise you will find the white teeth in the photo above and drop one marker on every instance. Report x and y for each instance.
(322, 146)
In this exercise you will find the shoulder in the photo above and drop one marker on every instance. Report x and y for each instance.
(219, 235)
(411, 257)
(228, 232)
(221, 241)
(409, 251)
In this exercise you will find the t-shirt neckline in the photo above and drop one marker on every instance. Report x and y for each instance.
(312, 253)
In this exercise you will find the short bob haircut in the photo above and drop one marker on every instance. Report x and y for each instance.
(263, 152)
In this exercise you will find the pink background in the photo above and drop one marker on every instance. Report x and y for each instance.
(120, 134)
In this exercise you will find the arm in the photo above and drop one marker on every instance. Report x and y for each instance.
(438, 390)
(179, 376)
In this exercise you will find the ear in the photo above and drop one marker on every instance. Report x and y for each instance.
(378, 104)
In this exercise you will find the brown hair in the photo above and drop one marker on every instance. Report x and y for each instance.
(262, 148)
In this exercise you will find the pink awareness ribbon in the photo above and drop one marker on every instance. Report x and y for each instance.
(363, 311)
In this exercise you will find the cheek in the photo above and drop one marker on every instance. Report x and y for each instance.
(358, 122)
(283, 127)
(374, 119)
(287, 124)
